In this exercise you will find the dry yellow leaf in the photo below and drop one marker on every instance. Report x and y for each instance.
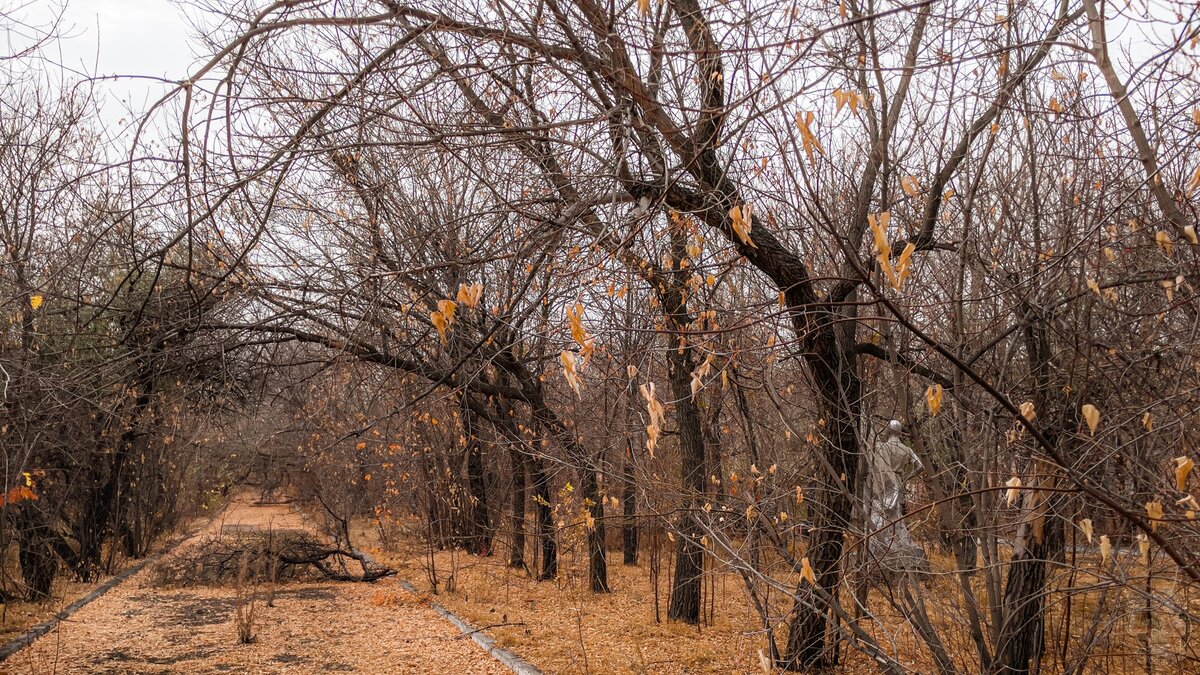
(1086, 526)
(1013, 491)
(742, 217)
(807, 138)
(911, 186)
(569, 371)
(1148, 421)
(1144, 548)
(469, 295)
(1154, 510)
(904, 264)
(1027, 411)
(806, 571)
(1183, 467)
(933, 399)
(1091, 415)
(1194, 182)
(1164, 242)
(35, 301)
(439, 322)
(1105, 548)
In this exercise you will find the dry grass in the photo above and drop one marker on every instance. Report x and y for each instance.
(564, 628)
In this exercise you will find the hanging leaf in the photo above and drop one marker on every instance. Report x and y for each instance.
(742, 218)
(1086, 526)
(1164, 242)
(447, 308)
(569, 371)
(1194, 182)
(1148, 421)
(879, 225)
(1189, 231)
(469, 295)
(643, 7)
(1091, 415)
(575, 318)
(1105, 548)
(1144, 548)
(807, 139)
(1183, 468)
(1154, 510)
(904, 264)
(933, 399)
(439, 322)
(806, 571)
(911, 186)
(799, 495)
(1014, 490)
(700, 373)
(657, 419)
(35, 301)
(1027, 411)
(764, 662)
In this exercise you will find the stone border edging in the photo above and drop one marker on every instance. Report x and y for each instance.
(38, 630)
(486, 642)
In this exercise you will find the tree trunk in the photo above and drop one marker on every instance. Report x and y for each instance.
(597, 561)
(516, 557)
(35, 555)
(545, 520)
(629, 525)
(689, 556)
(478, 535)
(838, 385)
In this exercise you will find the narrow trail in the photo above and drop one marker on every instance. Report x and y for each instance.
(313, 627)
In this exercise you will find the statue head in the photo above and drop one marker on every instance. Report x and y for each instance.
(895, 429)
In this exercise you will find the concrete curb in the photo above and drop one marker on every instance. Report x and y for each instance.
(485, 641)
(38, 630)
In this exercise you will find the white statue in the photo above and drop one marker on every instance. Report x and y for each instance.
(891, 544)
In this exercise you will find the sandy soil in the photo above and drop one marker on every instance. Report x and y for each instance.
(313, 627)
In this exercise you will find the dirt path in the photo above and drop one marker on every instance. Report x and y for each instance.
(313, 627)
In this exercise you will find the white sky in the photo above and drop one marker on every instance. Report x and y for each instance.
(113, 40)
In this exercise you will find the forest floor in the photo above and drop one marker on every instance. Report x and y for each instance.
(565, 628)
(319, 627)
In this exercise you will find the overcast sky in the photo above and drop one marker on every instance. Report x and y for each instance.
(119, 38)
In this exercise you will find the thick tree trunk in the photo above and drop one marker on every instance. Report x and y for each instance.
(689, 556)
(478, 535)
(597, 561)
(1021, 637)
(34, 553)
(838, 385)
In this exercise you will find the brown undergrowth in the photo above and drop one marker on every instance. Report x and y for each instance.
(564, 628)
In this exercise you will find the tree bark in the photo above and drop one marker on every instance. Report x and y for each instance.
(629, 524)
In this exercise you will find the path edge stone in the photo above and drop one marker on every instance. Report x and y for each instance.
(486, 642)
